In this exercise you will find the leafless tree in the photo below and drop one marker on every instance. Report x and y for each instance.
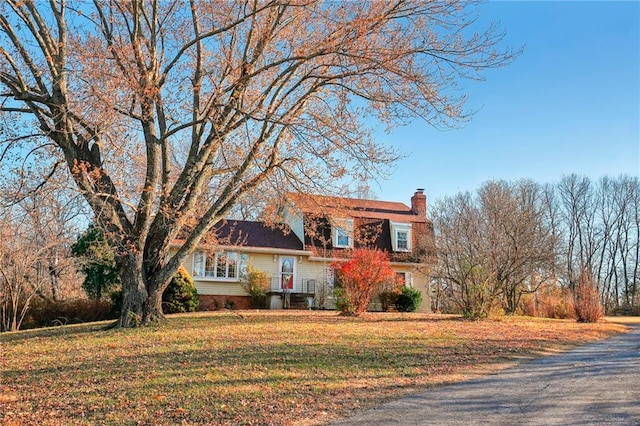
(460, 267)
(166, 113)
(600, 223)
(520, 241)
(38, 225)
(34, 259)
(494, 246)
(579, 213)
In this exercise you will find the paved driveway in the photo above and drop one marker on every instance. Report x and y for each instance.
(595, 384)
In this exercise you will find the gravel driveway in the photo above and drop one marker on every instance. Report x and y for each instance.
(592, 385)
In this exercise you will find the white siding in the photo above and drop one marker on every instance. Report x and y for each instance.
(312, 269)
(208, 286)
(217, 288)
(293, 218)
(264, 262)
(421, 282)
(305, 269)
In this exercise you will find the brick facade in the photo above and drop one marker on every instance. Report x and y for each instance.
(216, 303)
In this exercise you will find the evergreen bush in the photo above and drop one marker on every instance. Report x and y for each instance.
(409, 300)
(181, 294)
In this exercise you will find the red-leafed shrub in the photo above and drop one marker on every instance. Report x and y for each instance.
(359, 279)
(587, 299)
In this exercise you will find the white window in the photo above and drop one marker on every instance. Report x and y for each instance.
(342, 233)
(402, 240)
(400, 236)
(342, 238)
(226, 265)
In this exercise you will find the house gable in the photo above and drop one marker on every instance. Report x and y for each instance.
(394, 227)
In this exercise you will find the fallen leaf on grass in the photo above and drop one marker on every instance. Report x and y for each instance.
(4, 397)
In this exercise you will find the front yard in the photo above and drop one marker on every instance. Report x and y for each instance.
(257, 367)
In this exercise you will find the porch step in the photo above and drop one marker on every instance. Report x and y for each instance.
(298, 301)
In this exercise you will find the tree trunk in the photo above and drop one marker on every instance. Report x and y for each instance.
(54, 278)
(141, 295)
(152, 308)
(134, 292)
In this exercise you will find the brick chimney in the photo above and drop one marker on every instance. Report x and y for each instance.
(419, 203)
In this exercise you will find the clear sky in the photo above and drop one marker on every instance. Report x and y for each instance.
(569, 104)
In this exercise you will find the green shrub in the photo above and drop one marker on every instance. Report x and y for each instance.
(181, 295)
(343, 302)
(409, 300)
(256, 285)
(97, 261)
(116, 302)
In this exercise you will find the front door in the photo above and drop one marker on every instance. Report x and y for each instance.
(287, 270)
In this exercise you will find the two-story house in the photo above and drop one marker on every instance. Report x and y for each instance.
(316, 231)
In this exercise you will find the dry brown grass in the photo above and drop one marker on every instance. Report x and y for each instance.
(257, 367)
(623, 320)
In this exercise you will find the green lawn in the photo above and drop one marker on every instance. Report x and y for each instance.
(258, 367)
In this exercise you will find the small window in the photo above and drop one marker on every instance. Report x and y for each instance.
(221, 265)
(210, 266)
(342, 238)
(198, 264)
(400, 236)
(243, 268)
(402, 240)
(343, 233)
(330, 277)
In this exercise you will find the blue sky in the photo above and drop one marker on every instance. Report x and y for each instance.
(569, 104)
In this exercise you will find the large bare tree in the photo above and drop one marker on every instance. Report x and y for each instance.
(167, 112)
(494, 246)
(461, 270)
(519, 238)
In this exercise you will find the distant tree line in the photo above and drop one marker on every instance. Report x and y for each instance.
(510, 244)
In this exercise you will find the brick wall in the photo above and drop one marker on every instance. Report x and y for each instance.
(214, 303)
